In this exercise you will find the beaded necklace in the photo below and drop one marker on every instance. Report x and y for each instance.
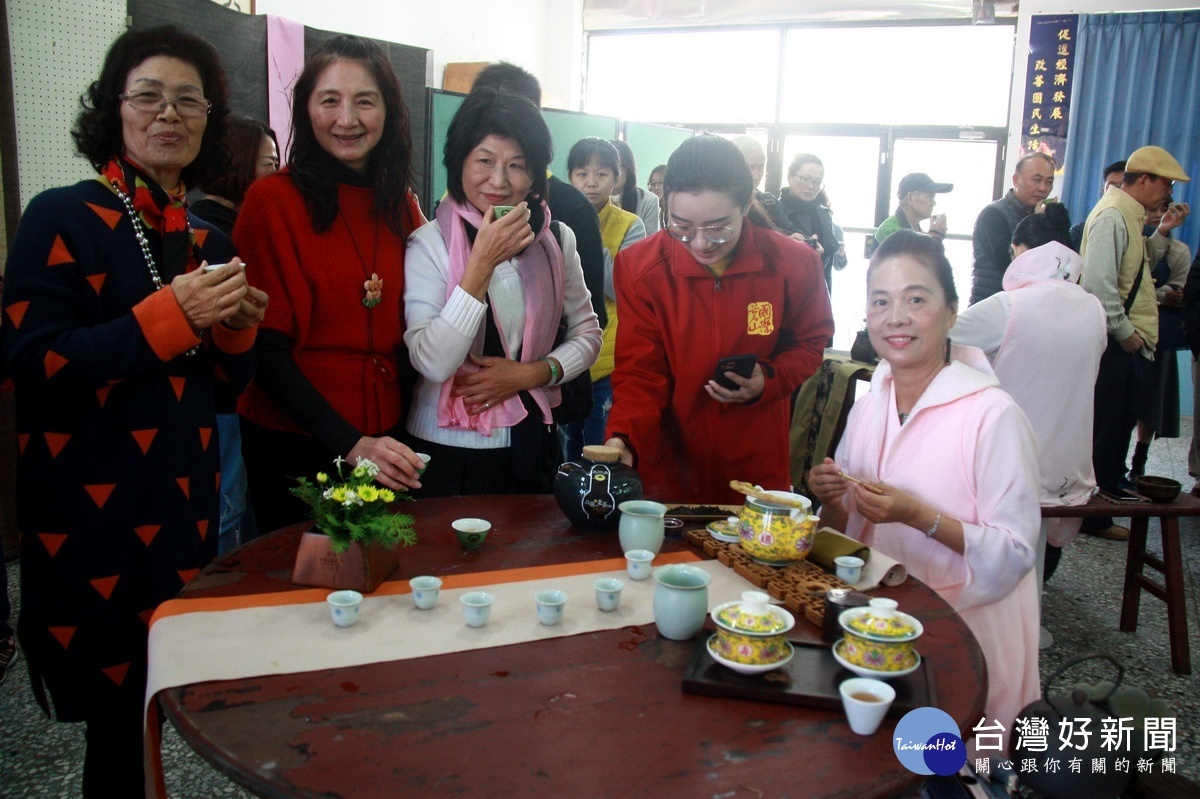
(144, 243)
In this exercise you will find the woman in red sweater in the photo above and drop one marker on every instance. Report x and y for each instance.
(713, 285)
(325, 238)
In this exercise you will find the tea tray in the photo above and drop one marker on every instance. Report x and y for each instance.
(811, 679)
(800, 587)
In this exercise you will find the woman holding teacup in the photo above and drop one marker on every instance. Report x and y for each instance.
(711, 287)
(120, 346)
(325, 235)
(497, 311)
(951, 464)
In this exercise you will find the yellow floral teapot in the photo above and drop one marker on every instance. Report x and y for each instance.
(776, 527)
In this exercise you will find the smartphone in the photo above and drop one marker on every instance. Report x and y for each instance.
(215, 267)
(740, 365)
(1123, 498)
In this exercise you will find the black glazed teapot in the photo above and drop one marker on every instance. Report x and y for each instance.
(590, 489)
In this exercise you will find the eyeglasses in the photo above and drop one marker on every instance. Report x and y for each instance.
(807, 181)
(654, 184)
(186, 105)
(714, 234)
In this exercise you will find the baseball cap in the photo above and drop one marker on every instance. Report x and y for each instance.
(1155, 161)
(919, 181)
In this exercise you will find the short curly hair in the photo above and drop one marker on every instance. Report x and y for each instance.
(98, 129)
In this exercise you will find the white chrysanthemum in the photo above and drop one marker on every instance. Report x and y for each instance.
(369, 465)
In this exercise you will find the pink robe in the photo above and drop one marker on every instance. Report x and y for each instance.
(966, 450)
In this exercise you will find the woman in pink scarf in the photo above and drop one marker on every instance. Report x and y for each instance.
(953, 465)
(487, 290)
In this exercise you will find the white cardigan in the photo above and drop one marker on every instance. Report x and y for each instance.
(440, 333)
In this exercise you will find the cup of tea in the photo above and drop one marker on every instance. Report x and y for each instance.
(424, 462)
(477, 607)
(639, 563)
(343, 606)
(849, 568)
(550, 605)
(866, 702)
(608, 593)
(425, 591)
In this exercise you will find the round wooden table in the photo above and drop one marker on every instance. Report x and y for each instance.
(598, 714)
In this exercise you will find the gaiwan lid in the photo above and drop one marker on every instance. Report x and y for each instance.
(880, 619)
(754, 614)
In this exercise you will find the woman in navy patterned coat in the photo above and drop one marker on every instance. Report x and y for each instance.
(119, 346)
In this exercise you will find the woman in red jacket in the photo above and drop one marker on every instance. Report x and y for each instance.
(326, 235)
(711, 286)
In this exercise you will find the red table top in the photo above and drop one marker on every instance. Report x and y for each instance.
(1183, 505)
(600, 714)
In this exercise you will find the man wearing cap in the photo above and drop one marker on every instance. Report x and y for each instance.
(916, 205)
(1116, 269)
(1032, 181)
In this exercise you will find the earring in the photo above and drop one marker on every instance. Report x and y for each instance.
(947, 349)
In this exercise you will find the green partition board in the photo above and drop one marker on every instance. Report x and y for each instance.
(652, 145)
(566, 128)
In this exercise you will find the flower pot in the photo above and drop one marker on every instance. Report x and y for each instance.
(360, 568)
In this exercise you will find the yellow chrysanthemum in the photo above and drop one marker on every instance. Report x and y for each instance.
(387, 495)
(360, 472)
(338, 494)
(322, 478)
(368, 493)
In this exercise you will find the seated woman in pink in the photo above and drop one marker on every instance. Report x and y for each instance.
(954, 462)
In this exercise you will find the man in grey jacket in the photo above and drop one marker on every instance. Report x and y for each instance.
(1032, 181)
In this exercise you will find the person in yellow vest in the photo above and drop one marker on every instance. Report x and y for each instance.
(1116, 269)
(594, 166)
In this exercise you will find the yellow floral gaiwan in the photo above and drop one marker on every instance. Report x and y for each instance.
(777, 534)
(879, 637)
(752, 631)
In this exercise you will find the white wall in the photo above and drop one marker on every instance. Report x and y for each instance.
(544, 36)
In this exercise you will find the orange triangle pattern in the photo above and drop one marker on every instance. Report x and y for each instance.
(52, 541)
(53, 362)
(99, 492)
(110, 216)
(187, 574)
(105, 585)
(202, 526)
(177, 383)
(146, 615)
(22, 442)
(97, 281)
(219, 373)
(147, 532)
(218, 482)
(205, 435)
(16, 312)
(56, 441)
(144, 437)
(63, 635)
(201, 235)
(185, 483)
(59, 254)
(116, 673)
(102, 395)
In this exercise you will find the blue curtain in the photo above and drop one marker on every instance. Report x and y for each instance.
(1137, 82)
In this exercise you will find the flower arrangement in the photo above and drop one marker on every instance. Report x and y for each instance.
(350, 507)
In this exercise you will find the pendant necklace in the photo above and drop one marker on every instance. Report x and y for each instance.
(373, 285)
(140, 233)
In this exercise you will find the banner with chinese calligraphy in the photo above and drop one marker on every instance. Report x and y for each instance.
(1048, 80)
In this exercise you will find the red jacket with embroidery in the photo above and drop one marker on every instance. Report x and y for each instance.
(677, 320)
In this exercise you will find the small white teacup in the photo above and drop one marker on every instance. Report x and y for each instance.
(344, 605)
(424, 462)
(608, 593)
(425, 591)
(550, 605)
(477, 607)
(866, 702)
(639, 563)
(849, 568)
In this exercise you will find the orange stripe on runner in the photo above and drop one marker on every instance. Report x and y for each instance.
(177, 607)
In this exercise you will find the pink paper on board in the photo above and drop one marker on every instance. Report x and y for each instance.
(285, 61)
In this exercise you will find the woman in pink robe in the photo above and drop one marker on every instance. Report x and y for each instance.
(954, 461)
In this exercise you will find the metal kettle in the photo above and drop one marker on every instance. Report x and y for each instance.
(1094, 703)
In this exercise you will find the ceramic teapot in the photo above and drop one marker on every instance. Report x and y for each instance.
(777, 534)
(589, 491)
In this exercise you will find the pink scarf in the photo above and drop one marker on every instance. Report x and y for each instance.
(540, 267)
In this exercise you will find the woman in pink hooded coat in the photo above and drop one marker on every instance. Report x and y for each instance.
(953, 465)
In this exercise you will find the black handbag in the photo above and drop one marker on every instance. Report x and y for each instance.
(577, 400)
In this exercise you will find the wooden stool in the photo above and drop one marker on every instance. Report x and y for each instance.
(1170, 566)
